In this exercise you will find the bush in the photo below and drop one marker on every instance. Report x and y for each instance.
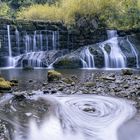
(4, 10)
(120, 14)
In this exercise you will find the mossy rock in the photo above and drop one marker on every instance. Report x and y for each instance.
(54, 75)
(68, 63)
(5, 85)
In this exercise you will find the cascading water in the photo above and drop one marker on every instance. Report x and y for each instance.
(111, 34)
(87, 58)
(30, 46)
(9, 41)
(85, 117)
(17, 41)
(41, 41)
(10, 58)
(134, 52)
(114, 57)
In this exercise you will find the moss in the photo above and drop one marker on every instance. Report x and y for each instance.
(5, 85)
(54, 75)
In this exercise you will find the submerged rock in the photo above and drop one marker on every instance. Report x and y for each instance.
(28, 68)
(127, 72)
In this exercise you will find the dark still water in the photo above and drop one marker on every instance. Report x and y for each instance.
(41, 74)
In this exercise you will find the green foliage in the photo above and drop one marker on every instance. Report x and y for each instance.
(4, 10)
(119, 14)
(122, 14)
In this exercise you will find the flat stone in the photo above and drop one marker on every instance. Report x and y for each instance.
(109, 78)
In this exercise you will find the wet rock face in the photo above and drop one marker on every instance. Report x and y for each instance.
(130, 55)
(68, 62)
(98, 55)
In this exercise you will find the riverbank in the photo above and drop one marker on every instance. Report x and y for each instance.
(123, 84)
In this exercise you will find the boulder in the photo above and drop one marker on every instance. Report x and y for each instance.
(54, 76)
(127, 72)
(68, 62)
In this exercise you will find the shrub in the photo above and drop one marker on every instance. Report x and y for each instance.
(122, 14)
(4, 10)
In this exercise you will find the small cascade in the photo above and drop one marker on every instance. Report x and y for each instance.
(111, 34)
(33, 59)
(55, 37)
(17, 41)
(30, 45)
(41, 41)
(34, 42)
(113, 55)
(87, 58)
(27, 43)
(10, 58)
(9, 41)
(134, 52)
(47, 43)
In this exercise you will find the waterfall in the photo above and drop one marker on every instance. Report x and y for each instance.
(33, 59)
(10, 58)
(33, 46)
(41, 41)
(114, 57)
(134, 52)
(17, 40)
(106, 56)
(47, 43)
(87, 58)
(34, 42)
(55, 37)
(27, 43)
(9, 41)
(111, 34)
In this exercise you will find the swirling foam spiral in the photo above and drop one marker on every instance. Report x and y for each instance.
(106, 116)
(73, 117)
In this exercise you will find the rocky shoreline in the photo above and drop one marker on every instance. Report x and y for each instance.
(124, 84)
